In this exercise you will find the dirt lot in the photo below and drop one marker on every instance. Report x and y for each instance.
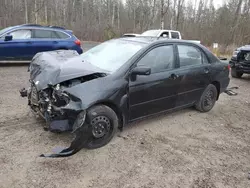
(181, 149)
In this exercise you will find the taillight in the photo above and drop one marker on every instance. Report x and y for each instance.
(228, 67)
(78, 42)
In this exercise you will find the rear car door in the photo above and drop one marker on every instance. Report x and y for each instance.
(195, 73)
(158, 91)
(19, 48)
(44, 40)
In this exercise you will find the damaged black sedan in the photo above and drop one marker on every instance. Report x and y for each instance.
(120, 81)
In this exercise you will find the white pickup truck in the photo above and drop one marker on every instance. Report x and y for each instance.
(157, 33)
(163, 33)
(170, 34)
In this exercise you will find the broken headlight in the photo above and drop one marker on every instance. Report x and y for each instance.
(235, 53)
(60, 98)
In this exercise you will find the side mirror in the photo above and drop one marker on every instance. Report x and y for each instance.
(140, 71)
(8, 38)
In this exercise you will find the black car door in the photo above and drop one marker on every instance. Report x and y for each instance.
(158, 91)
(194, 71)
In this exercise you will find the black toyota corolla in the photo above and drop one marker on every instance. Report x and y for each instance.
(120, 81)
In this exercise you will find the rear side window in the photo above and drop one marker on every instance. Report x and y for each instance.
(175, 35)
(21, 34)
(48, 34)
(42, 34)
(189, 55)
(61, 35)
(165, 34)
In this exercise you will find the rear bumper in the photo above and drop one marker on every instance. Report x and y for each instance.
(224, 84)
(80, 51)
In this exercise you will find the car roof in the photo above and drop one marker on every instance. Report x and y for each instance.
(38, 26)
(159, 40)
(163, 30)
(150, 40)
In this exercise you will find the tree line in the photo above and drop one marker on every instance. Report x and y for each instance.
(103, 19)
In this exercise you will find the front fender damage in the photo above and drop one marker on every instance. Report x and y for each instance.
(82, 131)
(82, 136)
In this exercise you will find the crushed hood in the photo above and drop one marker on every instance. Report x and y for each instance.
(51, 68)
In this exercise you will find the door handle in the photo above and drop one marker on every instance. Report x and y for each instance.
(173, 77)
(206, 70)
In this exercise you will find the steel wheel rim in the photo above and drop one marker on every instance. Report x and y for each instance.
(209, 99)
(100, 126)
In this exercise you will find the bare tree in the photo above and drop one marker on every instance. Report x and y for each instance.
(102, 19)
(164, 8)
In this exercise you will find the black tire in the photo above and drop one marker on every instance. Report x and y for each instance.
(107, 122)
(235, 74)
(208, 99)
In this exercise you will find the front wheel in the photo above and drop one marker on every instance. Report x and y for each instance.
(207, 99)
(235, 74)
(103, 123)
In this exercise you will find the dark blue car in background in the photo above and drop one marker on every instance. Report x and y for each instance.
(22, 42)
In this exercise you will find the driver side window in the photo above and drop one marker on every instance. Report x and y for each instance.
(21, 34)
(158, 59)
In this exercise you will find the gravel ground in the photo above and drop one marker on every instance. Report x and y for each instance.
(180, 149)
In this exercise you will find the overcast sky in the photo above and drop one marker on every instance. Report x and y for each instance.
(217, 3)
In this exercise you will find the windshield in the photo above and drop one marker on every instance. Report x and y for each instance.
(111, 55)
(4, 30)
(153, 33)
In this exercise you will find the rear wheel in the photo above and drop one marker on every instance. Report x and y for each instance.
(208, 99)
(104, 124)
(235, 74)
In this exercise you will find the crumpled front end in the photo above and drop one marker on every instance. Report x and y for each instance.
(53, 79)
(62, 112)
(51, 74)
(57, 107)
(241, 61)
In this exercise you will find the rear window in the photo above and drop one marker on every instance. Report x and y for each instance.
(175, 35)
(45, 34)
